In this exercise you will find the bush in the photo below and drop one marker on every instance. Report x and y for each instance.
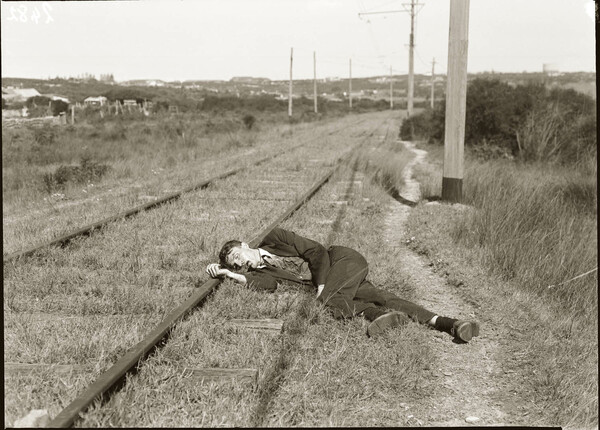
(249, 121)
(86, 172)
(538, 137)
(37, 101)
(137, 94)
(58, 107)
(418, 127)
(45, 135)
(224, 103)
(117, 132)
(528, 122)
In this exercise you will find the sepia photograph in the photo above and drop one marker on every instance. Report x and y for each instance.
(300, 213)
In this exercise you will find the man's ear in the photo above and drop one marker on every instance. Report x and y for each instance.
(245, 245)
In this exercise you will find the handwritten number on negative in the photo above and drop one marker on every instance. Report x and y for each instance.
(47, 8)
(35, 15)
(19, 14)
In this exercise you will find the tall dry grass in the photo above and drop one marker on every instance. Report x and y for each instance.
(539, 226)
(535, 225)
(385, 164)
(131, 147)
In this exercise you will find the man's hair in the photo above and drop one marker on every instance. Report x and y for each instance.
(225, 250)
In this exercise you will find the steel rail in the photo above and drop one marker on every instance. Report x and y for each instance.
(87, 229)
(90, 227)
(130, 212)
(134, 355)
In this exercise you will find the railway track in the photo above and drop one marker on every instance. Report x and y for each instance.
(215, 190)
(89, 228)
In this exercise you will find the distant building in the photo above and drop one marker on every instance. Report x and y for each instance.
(383, 80)
(11, 113)
(95, 101)
(155, 83)
(144, 83)
(550, 69)
(18, 94)
(250, 80)
(56, 97)
(129, 102)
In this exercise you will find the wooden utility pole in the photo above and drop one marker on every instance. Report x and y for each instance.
(350, 85)
(411, 60)
(456, 101)
(315, 78)
(72, 114)
(290, 92)
(391, 90)
(432, 82)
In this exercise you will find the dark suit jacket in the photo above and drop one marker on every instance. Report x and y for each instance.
(285, 243)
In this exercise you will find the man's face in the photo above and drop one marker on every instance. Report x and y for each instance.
(243, 257)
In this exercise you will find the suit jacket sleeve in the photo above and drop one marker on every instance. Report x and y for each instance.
(261, 281)
(311, 251)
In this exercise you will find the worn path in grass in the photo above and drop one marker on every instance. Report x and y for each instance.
(464, 391)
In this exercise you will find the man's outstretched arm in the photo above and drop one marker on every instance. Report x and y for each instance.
(216, 271)
(253, 280)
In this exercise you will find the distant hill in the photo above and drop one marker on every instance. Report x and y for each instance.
(372, 87)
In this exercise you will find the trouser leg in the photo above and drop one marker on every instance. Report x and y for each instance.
(371, 294)
(347, 272)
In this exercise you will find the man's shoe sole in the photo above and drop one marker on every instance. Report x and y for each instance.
(387, 321)
(465, 330)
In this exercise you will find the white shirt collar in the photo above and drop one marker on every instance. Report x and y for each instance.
(262, 253)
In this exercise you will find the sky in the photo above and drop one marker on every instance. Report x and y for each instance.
(221, 39)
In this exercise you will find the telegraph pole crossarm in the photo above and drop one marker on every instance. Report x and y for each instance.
(377, 13)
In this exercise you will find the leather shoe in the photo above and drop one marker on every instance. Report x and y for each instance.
(465, 330)
(387, 321)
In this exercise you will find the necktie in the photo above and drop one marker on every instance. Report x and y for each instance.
(293, 265)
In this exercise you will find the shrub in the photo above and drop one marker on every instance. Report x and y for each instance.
(37, 101)
(137, 94)
(526, 121)
(87, 171)
(226, 103)
(538, 137)
(58, 107)
(418, 127)
(116, 132)
(45, 135)
(249, 121)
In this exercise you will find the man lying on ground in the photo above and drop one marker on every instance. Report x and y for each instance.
(339, 274)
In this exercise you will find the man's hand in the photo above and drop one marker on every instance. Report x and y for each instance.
(215, 270)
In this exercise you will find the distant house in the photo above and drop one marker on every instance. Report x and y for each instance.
(155, 83)
(130, 102)
(95, 101)
(55, 97)
(250, 80)
(18, 94)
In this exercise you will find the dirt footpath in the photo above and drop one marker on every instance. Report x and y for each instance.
(464, 373)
